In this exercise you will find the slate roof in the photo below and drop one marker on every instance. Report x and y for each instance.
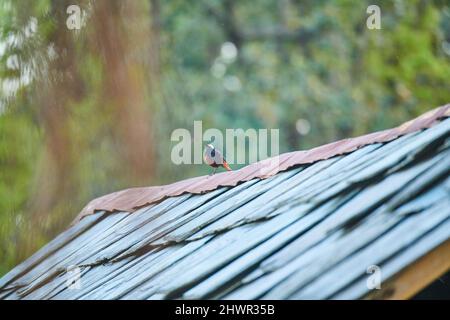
(135, 198)
(309, 232)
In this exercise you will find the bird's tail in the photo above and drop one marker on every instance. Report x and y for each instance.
(226, 166)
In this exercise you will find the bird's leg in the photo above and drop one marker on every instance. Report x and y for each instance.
(214, 172)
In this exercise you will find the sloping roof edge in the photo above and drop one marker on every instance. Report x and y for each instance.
(132, 199)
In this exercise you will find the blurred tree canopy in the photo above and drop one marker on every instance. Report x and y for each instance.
(90, 111)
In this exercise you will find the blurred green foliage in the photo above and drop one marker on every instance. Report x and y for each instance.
(310, 68)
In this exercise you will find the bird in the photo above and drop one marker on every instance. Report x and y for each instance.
(214, 158)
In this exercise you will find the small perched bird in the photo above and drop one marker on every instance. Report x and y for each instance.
(214, 158)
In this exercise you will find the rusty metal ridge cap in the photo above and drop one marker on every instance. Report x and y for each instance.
(132, 199)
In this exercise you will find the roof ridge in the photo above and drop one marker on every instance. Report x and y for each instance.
(134, 198)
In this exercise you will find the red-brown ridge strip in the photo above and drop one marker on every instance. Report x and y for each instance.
(134, 198)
